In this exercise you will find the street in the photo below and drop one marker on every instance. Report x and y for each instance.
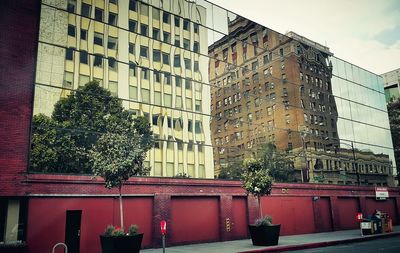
(390, 245)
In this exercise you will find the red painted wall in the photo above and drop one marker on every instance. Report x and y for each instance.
(46, 219)
(322, 214)
(347, 209)
(17, 71)
(194, 219)
(239, 218)
(195, 210)
(295, 214)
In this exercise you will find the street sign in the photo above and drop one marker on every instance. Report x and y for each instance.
(381, 193)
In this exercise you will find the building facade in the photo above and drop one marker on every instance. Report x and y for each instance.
(164, 60)
(285, 89)
(149, 55)
(391, 81)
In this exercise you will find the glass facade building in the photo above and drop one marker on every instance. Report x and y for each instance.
(216, 87)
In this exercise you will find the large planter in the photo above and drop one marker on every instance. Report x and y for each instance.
(121, 244)
(265, 235)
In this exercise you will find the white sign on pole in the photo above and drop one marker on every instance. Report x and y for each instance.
(381, 193)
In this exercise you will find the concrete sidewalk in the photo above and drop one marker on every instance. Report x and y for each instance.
(286, 243)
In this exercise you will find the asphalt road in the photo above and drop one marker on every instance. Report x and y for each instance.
(390, 245)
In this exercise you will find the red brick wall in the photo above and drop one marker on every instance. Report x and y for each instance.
(300, 208)
(19, 21)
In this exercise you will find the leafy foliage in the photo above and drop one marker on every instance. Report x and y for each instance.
(119, 154)
(256, 178)
(394, 120)
(280, 167)
(264, 221)
(233, 171)
(62, 142)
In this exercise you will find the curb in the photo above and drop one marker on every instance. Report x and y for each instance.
(322, 244)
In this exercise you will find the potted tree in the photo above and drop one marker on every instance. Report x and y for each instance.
(258, 182)
(115, 240)
(117, 155)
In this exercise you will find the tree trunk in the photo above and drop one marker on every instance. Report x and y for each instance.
(259, 205)
(121, 210)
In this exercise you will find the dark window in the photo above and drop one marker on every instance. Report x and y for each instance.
(178, 81)
(144, 30)
(177, 60)
(144, 51)
(177, 42)
(190, 125)
(188, 84)
(83, 56)
(177, 21)
(113, 1)
(112, 64)
(167, 78)
(112, 18)
(196, 66)
(186, 44)
(156, 55)
(98, 60)
(186, 24)
(85, 10)
(196, 28)
(196, 47)
(131, 48)
(198, 127)
(165, 58)
(133, 5)
(166, 18)
(156, 34)
(71, 30)
(132, 26)
(112, 43)
(167, 37)
(98, 14)
(69, 54)
(132, 68)
(83, 34)
(98, 39)
(188, 64)
(71, 7)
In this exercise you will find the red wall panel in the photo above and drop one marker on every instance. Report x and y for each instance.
(239, 220)
(347, 209)
(194, 219)
(322, 215)
(295, 214)
(387, 206)
(46, 219)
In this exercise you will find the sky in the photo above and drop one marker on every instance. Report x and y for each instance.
(363, 32)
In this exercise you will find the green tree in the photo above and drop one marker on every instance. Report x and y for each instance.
(75, 126)
(280, 167)
(119, 154)
(394, 120)
(233, 170)
(257, 179)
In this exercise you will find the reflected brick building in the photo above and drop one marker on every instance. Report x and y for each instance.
(268, 87)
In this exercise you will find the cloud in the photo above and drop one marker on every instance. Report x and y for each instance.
(366, 33)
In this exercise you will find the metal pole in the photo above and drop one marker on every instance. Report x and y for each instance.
(163, 243)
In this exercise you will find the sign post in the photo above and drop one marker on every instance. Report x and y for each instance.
(163, 227)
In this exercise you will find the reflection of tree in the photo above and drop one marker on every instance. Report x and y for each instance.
(394, 119)
(233, 170)
(280, 167)
(61, 143)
